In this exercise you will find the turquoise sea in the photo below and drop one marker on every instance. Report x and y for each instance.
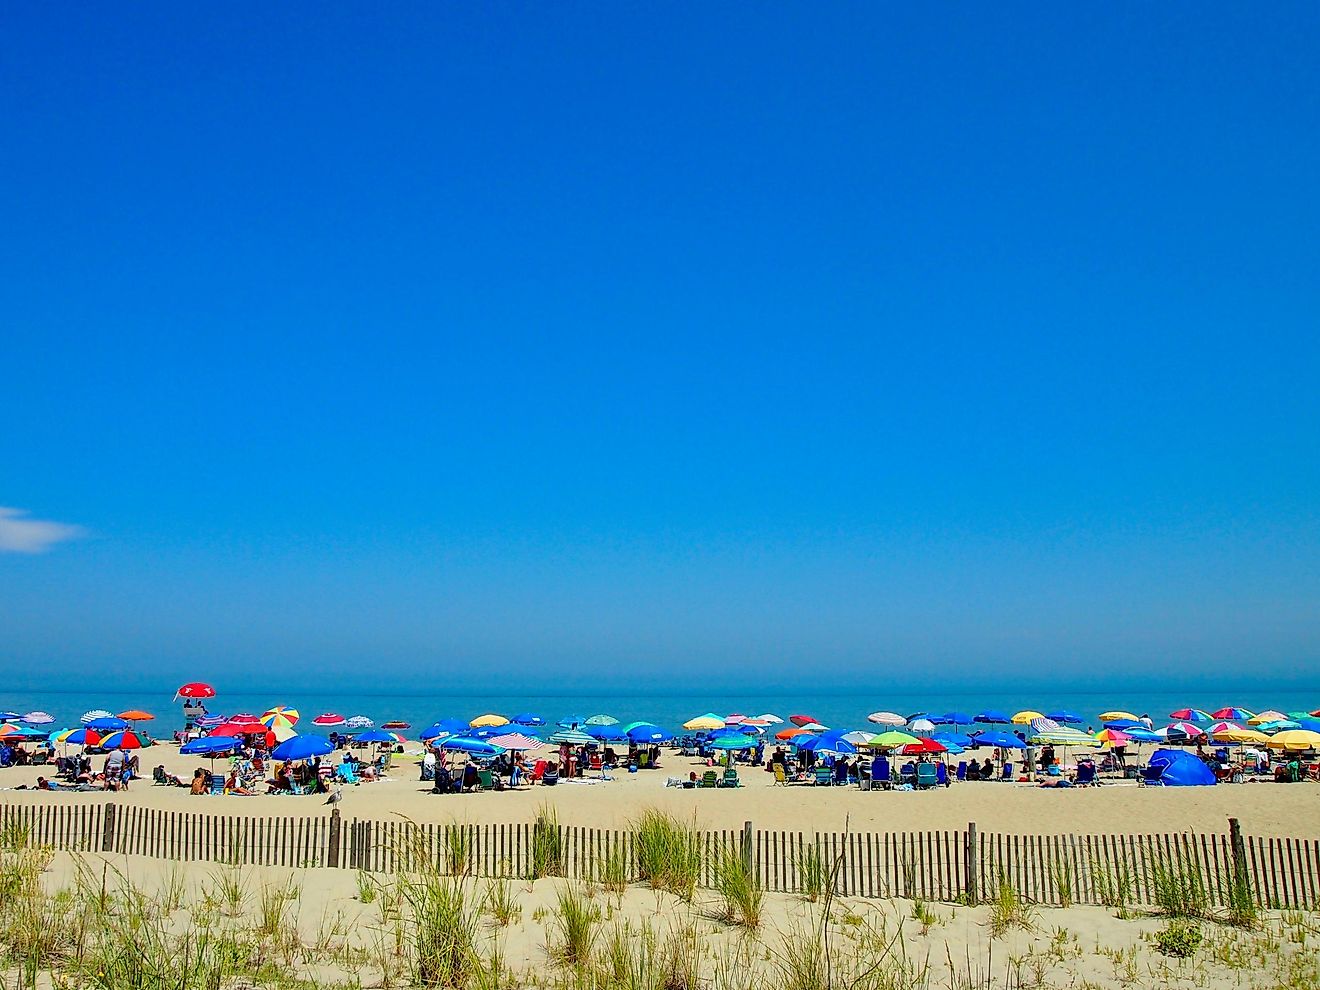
(670, 710)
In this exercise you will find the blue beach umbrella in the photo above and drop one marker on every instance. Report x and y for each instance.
(994, 717)
(819, 744)
(648, 733)
(472, 747)
(528, 718)
(14, 716)
(453, 725)
(953, 739)
(953, 718)
(916, 715)
(433, 732)
(572, 721)
(1139, 733)
(1123, 724)
(206, 746)
(732, 742)
(1002, 740)
(374, 735)
(606, 733)
(107, 724)
(303, 747)
(1065, 717)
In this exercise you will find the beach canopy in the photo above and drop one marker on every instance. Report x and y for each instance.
(892, 739)
(1065, 717)
(1295, 739)
(528, 718)
(303, 747)
(1025, 717)
(886, 718)
(124, 739)
(489, 719)
(515, 741)
(195, 689)
(208, 745)
(1115, 716)
(329, 719)
(1179, 768)
(574, 737)
(993, 716)
(707, 721)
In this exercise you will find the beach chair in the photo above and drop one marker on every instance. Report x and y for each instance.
(880, 773)
(926, 776)
(347, 773)
(1007, 772)
(840, 773)
(1152, 776)
(731, 778)
(537, 774)
(822, 776)
(485, 780)
(158, 776)
(942, 774)
(1085, 774)
(962, 771)
(708, 779)
(550, 777)
(781, 777)
(217, 783)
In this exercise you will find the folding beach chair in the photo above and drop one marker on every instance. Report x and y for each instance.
(1007, 772)
(942, 774)
(822, 776)
(926, 776)
(962, 770)
(880, 773)
(731, 778)
(485, 780)
(217, 783)
(781, 778)
(1085, 773)
(709, 779)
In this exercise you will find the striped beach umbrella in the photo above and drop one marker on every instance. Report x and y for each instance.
(1183, 730)
(123, 739)
(38, 718)
(280, 715)
(1266, 716)
(94, 714)
(329, 718)
(886, 718)
(1234, 714)
(359, 722)
(1191, 715)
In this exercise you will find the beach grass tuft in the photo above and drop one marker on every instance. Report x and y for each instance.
(668, 853)
(574, 922)
(547, 844)
(740, 888)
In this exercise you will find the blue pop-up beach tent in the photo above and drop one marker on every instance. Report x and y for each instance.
(1179, 768)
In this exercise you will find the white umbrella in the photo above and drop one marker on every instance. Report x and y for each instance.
(38, 718)
(769, 718)
(96, 713)
(922, 725)
(886, 718)
(359, 722)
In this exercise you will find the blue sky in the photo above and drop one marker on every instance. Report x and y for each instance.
(739, 343)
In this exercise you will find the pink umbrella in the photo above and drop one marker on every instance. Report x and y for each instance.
(328, 718)
(516, 740)
(1184, 729)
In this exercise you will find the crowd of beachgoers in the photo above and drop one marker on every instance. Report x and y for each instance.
(280, 752)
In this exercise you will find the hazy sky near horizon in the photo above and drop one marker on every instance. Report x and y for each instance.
(654, 342)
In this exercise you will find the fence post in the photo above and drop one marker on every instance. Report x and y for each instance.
(971, 863)
(108, 836)
(1239, 853)
(747, 847)
(332, 854)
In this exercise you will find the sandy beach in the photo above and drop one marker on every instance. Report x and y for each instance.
(1265, 809)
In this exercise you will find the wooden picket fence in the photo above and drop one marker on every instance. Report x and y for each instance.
(954, 865)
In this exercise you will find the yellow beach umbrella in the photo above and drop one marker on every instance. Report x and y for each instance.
(1242, 736)
(1114, 716)
(704, 722)
(280, 716)
(1024, 718)
(481, 721)
(892, 738)
(1294, 739)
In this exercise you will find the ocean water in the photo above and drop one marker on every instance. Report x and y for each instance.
(670, 710)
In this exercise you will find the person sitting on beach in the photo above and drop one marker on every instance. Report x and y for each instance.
(470, 778)
(987, 770)
(201, 782)
(973, 771)
(444, 780)
(235, 786)
(281, 782)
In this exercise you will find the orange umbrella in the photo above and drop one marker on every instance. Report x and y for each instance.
(790, 733)
(136, 715)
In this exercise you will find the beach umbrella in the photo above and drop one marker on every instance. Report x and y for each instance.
(733, 742)
(891, 739)
(952, 739)
(758, 723)
(209, 721)
(472, 747)
(1065, 717)
(208, 746)
(857, 737)
(1191, 715)
(1183, 730)
(993, 716)
(924, 746)
(707, 721)
(921, 725)
(107, 723)
(790, 733)
(814, 727)
(735, 719)
(279, 715)
(834, 747)
(1295, 739)
(1266, 716)
(328, 719)
(1025, 717)
(95, 713)
(954, 718)
(1113, 737)
(395, 724)
(1224, 728)
(528, 718)
(1235, 714)
(13, 731)
(123, 739)
(606, 733)
(303, 747)
(433, 732)
(195, 689)
(572, 721)
(1278, 725)
(490, 719)
(38, 718)
(802, 719)
(1122, 723)
(770, 718)
(374, 736)
(1064, 735)
(574, 737)
(359, 722)
(913, 716)
(648, 734)
(516, 741)
(602, 720)
(1000, 740)
(1139, 733)
(12, 716)
(83, 737)
(1039, 725)
(137, 715)
(886, 718)
(243, 718)
(1115, 716)
(1243, 736)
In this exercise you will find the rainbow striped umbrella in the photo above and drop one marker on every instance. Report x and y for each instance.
(281, 716)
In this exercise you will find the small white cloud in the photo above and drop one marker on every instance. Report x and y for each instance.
(19, 534)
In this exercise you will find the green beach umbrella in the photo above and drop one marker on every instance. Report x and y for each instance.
(602, 720)
(892, 738)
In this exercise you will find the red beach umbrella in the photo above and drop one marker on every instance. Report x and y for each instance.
(926, 745)
(399, 725)
(790, 733)
(195, 689)
(328, 718)
(802, 719)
